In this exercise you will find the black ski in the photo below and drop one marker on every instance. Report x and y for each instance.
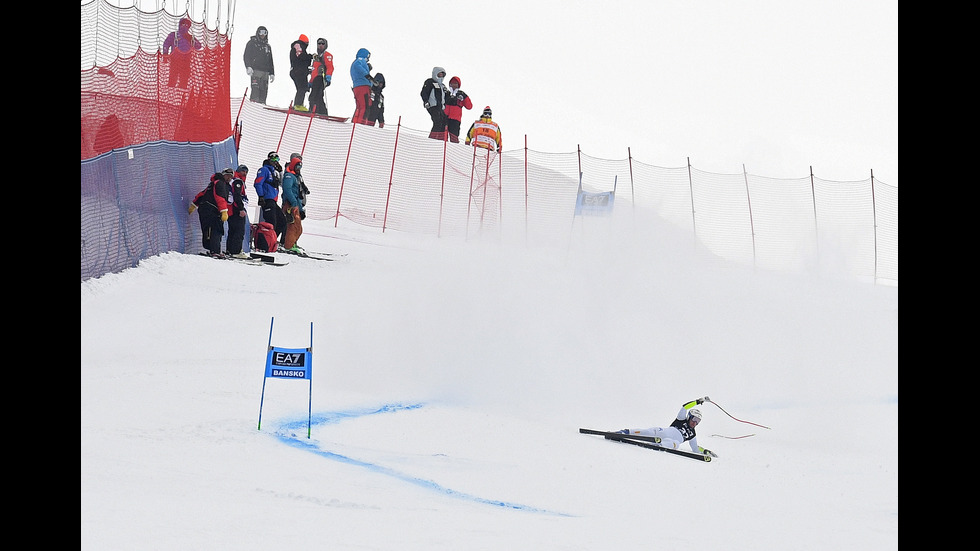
(329, 257)
(645, 442)
(618, 435)
(252, 261)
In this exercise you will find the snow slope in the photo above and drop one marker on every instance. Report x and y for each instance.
(449, 383)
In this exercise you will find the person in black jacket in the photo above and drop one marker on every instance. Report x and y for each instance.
(259, 64)
(376, 112)
(211, 205)
(237, 215)
(434, 101)
(299, 70)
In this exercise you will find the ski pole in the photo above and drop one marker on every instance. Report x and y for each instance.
(737, 419)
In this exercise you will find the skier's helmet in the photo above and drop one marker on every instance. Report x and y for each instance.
(487, 113)
(273, 156)
(694, 416)
(242, 169)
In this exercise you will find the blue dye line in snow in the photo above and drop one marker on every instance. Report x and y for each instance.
(288, 435)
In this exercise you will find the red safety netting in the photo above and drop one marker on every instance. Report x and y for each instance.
(133, 93)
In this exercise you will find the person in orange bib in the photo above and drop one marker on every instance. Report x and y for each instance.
(485, 133)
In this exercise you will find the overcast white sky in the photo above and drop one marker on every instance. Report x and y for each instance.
(772, 85)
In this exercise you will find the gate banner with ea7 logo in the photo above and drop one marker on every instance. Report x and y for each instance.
(289, 363)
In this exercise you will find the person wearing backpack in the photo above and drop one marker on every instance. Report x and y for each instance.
(267, 182)
(211, 205)
(434, 101)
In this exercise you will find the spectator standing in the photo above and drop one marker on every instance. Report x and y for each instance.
(456, 101)
(434, 100)
(320, 76)
(177, 49)
(485, 133)
(237, 213)
(361, 82)
(293, 203)
(267, 182)
(211, 205)
(299, 70)
(376, 112)
(259, 65)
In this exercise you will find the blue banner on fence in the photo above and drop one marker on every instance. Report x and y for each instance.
(598, 204)
(289, 363)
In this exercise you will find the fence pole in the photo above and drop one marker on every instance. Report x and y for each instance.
(288, 111)
(344, 177)
(816, 229)
(312, 116)
(748, 198)
(442, 184)
(525, 191)
(874, 219)
(398, 129)
(629, 156)
(469, 195)
(690, 183)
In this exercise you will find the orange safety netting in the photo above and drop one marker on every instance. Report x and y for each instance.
(132, 92)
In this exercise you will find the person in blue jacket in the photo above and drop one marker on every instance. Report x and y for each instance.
(361, 82)
(267, 182)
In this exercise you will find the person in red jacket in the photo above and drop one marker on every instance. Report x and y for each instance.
(211, 205)
(237, 213)
(320, 76)
(456, 100)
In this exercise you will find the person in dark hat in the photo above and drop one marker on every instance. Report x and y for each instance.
(211, 205)
(485, 133)
(320, 76)
(259, 64)
(237, 213)
(299, 70)
(376, 112)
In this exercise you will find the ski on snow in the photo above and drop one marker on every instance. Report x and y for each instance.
(649, 442)
(254, 259)
(329, 257)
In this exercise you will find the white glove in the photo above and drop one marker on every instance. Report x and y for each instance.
(248, 70)
(271, 78)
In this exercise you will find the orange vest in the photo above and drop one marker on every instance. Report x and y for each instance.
(485, 133)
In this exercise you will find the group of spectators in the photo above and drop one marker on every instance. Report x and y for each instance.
(225, 201)
(312, 74)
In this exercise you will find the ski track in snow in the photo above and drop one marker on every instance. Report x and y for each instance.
(293, 433)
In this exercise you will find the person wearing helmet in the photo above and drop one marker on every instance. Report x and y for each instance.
(292, 203)
(176, 50)
(237, 215)
(320, 76)
(361, 82)
(456, 101)
(259, 65)
(211, 205)
(681, 429)
(485, 133)
(434, 101)
(376, 112)
(267, 182)
(299, 70)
